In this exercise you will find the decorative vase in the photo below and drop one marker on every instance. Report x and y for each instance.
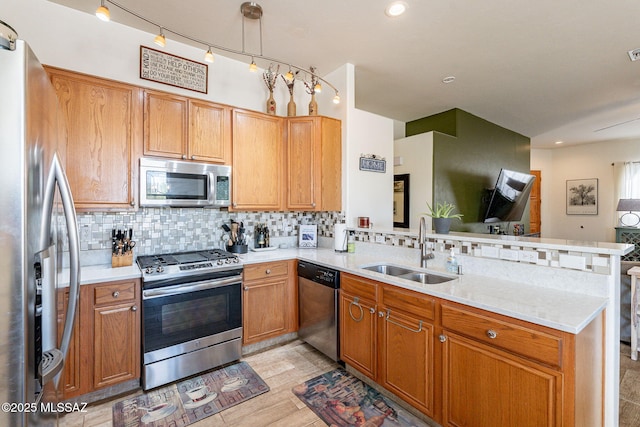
(271, 104)
(291, 107)
(313, 106)
(442, 225)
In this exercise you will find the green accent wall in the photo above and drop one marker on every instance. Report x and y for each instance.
(468, 153)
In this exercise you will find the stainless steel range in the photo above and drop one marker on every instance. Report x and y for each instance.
(192, 313)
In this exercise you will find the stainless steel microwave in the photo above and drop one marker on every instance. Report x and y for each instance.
(184, 184)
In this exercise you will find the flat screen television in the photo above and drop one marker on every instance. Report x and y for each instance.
(509, 197)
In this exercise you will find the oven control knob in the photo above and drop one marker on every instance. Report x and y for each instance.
(149, 270)
(220, 262)
(160, 269)
(236, 260)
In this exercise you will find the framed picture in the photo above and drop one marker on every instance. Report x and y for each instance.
(308, 237)
(401, 200)
(582, 196)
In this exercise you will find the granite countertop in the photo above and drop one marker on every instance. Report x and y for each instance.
(562, 310)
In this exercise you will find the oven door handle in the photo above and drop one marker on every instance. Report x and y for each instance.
(183, 289)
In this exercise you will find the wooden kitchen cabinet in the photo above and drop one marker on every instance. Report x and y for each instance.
(258, 156)
(499, 371)
(387, 333)
(358, 324)
(185, 128)
(116, 332)
(105, 344)
(314, 163)
(269, 301)
(104, 131)
(71, 377)
(406, 352)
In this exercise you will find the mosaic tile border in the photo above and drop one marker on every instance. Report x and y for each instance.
(512, 252)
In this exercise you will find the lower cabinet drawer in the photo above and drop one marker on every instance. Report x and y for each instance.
(360, 287)
(530, 343)
(114, 293)
(266, 270)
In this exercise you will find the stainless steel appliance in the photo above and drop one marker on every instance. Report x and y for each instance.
(185, 184)
(191, 313)
(33, 233)
(318, 289)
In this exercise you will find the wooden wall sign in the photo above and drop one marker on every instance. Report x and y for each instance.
(161, 67)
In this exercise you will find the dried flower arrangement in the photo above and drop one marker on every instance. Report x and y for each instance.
(290, 83)
(270, 77)
(311, 87)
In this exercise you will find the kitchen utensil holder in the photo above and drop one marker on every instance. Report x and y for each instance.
(123, 260)
(238, 249)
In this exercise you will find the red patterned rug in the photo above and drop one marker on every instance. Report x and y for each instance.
(342, 400)
(192, 400)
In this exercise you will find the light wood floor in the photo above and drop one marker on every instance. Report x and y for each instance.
(293, 363)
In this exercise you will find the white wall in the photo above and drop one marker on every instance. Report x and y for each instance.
(580, 162)
(67, 38)
(417, 157)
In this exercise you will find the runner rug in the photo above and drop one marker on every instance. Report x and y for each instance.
(186, 402)
(342, 400)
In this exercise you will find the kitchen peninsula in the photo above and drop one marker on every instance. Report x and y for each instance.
(560, 297)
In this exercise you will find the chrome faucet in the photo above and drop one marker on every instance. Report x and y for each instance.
(424, 255)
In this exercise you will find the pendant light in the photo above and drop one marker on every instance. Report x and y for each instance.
(103, 13)
(253, 67)
(160, 40)
(209, 56)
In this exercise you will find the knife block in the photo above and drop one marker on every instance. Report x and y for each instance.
(123, 260)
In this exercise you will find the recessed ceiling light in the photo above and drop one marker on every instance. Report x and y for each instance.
(396, 8)
(448, 79)
(559, 142)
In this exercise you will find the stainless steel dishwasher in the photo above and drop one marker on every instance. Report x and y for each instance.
(318, 289)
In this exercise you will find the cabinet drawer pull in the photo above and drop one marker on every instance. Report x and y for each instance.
(134, 308)
(357, 304)
(388, 319)
(492, 334)
(267, 271)
(116, 294)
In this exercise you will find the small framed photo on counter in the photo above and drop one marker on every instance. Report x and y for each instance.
(308, 236)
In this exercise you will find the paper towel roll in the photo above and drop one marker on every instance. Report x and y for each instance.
(340, 237)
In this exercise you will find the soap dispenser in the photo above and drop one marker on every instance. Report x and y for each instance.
(452, 262)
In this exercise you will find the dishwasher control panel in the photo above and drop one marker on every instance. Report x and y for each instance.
(319, 274)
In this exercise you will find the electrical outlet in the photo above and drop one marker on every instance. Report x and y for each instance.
(379, 238)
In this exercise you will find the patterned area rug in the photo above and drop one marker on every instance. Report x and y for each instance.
(192, 400)
(342, 400)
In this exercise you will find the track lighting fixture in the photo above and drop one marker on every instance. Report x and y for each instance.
(249, 10)
(208, 56)
(103, 13)
(160, 40)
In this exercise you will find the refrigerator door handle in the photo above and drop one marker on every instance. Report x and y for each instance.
(58, 176)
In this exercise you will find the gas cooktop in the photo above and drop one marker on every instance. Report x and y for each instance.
(155, 267)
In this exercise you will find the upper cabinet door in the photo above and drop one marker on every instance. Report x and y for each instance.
(102, 118)
(257, 161)
(209, 132)
(314, 164)
(165, 125)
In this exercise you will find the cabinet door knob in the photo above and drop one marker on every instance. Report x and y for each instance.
(268, 271)
(134, 308)
(184, 157)
(193, 157)
(133, 203)
(313, 205)
(116, 294)
(442, 338)
(372, 310)
(246, 288)
(380, 314)
(492, 334)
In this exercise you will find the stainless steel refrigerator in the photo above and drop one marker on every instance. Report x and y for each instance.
(38, 233)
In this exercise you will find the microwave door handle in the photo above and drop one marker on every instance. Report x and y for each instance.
(58, 177)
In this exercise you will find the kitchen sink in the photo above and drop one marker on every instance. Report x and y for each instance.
(391, 270)
(426, 278)
(409, 274)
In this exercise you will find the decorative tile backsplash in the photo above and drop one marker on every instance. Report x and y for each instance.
(163, 230)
